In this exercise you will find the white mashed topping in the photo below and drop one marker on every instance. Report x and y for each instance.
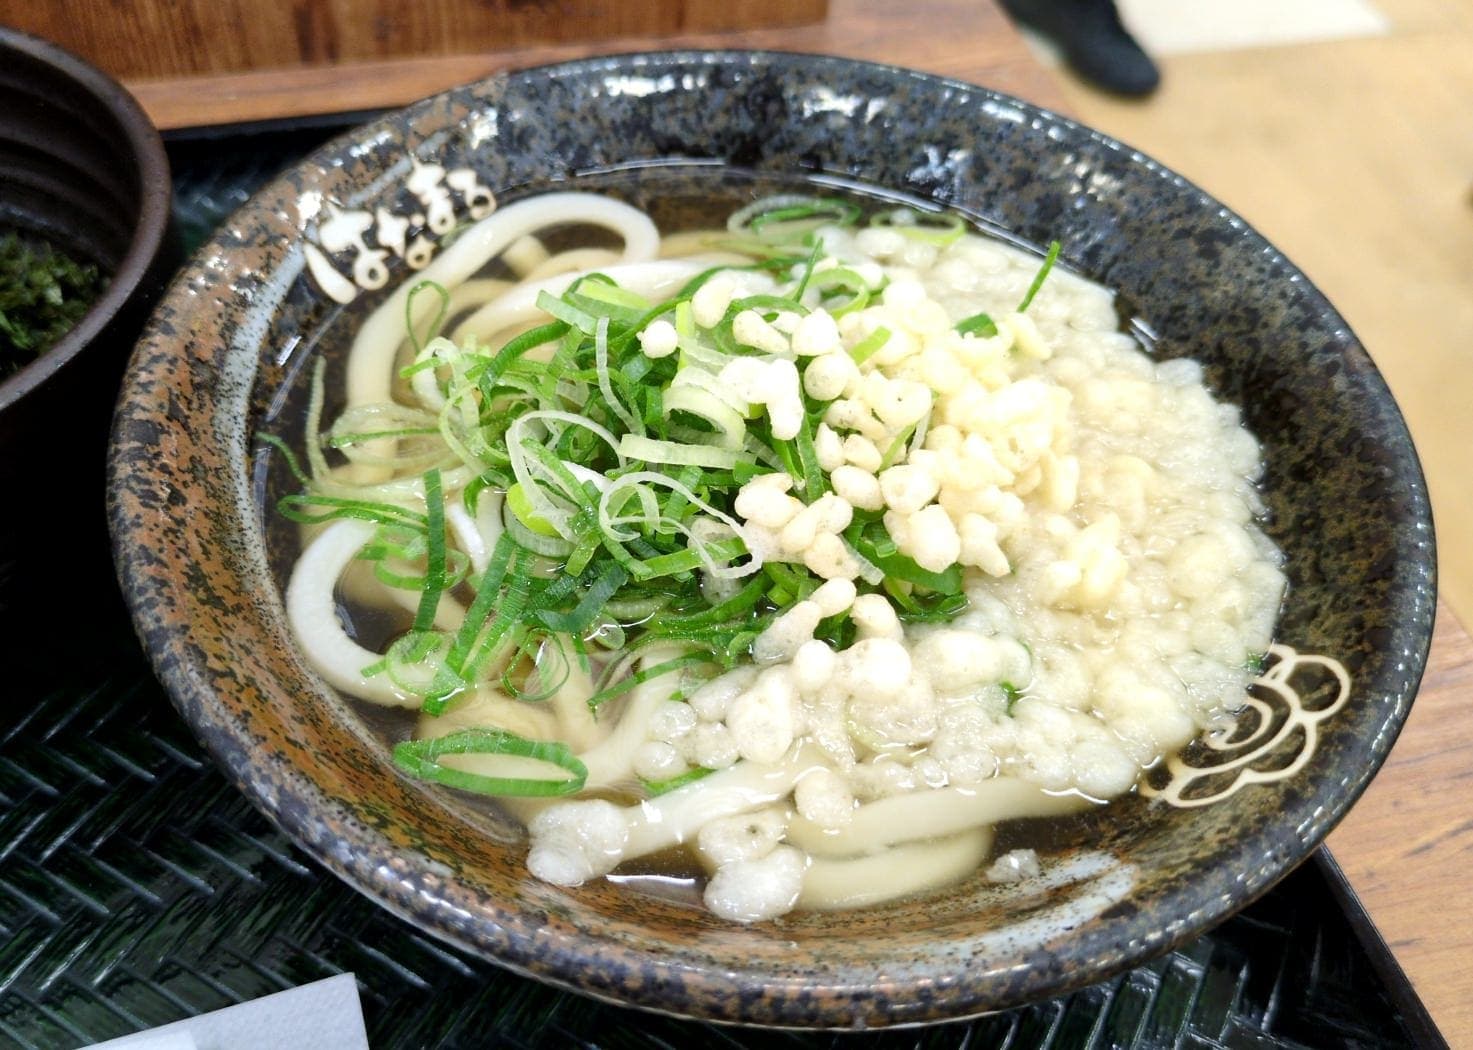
(1102, 503)
(1102, 506)
(1098, 504)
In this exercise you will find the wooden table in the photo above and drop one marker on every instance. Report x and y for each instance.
(967, 39)
(1405, 847)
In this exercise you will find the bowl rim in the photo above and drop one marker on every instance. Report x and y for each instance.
(151, 163)
(356, 853)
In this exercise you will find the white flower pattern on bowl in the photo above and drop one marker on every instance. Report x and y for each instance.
(343, 234)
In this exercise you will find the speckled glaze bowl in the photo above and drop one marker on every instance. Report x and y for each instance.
(226, 354)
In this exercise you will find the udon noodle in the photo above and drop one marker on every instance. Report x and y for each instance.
(817, 546)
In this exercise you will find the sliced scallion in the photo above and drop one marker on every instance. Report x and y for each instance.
(977, 324)
(434, 582)
(870, 345)
(421, 758)
(656, 788)
(1043, 272)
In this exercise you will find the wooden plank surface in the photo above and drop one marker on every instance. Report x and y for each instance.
(978, 45)
(167, 38)
(1405, 845)
(1363, 178)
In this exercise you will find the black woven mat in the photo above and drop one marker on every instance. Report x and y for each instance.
(137, 887)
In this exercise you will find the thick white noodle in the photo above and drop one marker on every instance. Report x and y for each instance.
(449, 613)
(518, 307)
(564, 717)
(677, 817)
(930, 814)
(472, 294)
(476, 536)
(857, 882)
(524, 255)
(488, 707)
(408, 492)
(576, 725)
(370, 366)
(426, 383)
(311, 610)
(702, 242)
(568, 261)
(611, 761)
(371, 361)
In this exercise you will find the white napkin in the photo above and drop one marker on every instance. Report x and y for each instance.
(323, 1015)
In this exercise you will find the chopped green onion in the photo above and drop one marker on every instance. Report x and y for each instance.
(503, 629)
(623, 685)
(343, 507)
(729, 427)
(417, 289)
(486, 376)
(673, 452)
(503, 562)
(977, 324)
(934, 608)
(293, 465)
(520, 506)
(941, 230)
(827, 209)
(689, 560)
(553, 546)
(901, 567)
(619, 472)
(434, 585)
(344, 440)
(792, 212)
(870, 345)
(1043, 272)
(605, 380)
(809, 264)
(656, 788)
(637, 609)
(845, 279)
(577, 621)
(541, 647)
(739, 604)
(421, 758)
(601, 289)
(892, 454)
(813, 479)
(416, 663)
(566, 312)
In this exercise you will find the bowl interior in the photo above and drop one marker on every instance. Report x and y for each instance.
(229, 352)
(81, 168)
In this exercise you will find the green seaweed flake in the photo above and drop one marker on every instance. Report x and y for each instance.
(43, 294)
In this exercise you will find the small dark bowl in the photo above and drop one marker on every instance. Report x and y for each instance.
(82, 168)
(226, 355)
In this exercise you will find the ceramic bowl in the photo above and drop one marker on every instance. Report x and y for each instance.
(82, 168)
(227, 353)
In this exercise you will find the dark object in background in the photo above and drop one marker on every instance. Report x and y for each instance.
(1094, 42)
(83, 170)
